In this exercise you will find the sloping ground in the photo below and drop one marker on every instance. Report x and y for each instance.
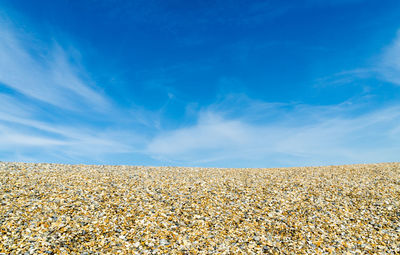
(68, 209)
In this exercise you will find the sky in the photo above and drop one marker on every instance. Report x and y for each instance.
(228, 83)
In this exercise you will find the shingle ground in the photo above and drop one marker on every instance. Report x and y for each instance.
(80, 209)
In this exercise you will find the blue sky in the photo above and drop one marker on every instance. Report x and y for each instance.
(200, 83)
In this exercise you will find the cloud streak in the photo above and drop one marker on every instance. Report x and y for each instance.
(43, 73)
(44, 103)
(389, 68)
(331, 138)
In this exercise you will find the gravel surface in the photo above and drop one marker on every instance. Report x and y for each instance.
(80, 209)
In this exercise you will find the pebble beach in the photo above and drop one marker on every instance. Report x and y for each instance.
(92, 209)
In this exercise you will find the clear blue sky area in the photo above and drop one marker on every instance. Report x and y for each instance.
(200, 83)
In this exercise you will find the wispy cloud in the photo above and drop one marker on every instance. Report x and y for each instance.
(43, 72)
(389, 67)
(46, 100)
(68, 143)
(337, 135)
(386, 67)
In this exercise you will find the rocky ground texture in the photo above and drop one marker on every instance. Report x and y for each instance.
(80, 209)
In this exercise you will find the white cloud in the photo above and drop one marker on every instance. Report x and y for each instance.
(331, 138)
(43, 73)
(43, 111)
(27, 134)
(9, 137)
(389, 67)
(211, 133)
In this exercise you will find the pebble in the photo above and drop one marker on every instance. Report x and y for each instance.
(83, 209)
(164, 242)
